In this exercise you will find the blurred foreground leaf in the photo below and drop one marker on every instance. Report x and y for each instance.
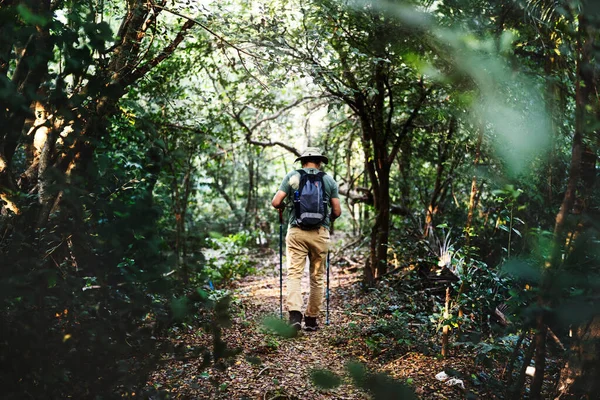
(279, 327)
(325, 379)
(381, 386)
(521, 269)
(179, 307)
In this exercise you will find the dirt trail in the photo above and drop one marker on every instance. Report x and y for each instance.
(272, 367)
(284, 367)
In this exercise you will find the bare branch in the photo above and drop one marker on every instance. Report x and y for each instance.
(289, 148)
(408, 125)
(264, 86)
(165, 53)
(207, 29)
(280, 112)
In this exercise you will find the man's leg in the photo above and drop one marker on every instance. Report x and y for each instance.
(296, 252)
(318, 257)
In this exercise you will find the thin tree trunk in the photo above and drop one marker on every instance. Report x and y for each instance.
(473, 196)
(518, 387)
(250, 193)
(45, 195)
(381, 227)
(446, 328)
(440, 183)
(540, 358)
(508, 372)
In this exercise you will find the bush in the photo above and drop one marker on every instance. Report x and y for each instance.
(230, 258)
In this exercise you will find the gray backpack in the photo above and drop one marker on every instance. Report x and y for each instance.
(309, 200)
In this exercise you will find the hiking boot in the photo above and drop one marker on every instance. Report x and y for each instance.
(296, 320)
(310, 324)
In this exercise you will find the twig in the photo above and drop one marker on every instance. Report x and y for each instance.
(261, 371)
(556, 339)
(91, 287)
(207, 29)
(264, 86)
(52, 250)
(351, 313)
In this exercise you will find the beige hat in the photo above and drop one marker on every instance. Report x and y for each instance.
(313, 152)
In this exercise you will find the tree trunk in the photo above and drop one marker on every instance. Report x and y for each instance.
(468, 226)
(446, 328)
(250, 202)
(473, 196)
(381, 228)
(540, 358)
(518, 386)
(441, 184)
(579, 377)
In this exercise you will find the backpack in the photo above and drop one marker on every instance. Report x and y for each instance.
(309, 200)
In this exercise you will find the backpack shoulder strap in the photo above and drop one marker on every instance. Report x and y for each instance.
(301, 172)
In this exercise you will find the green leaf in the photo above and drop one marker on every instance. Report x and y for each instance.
(179, 307)
(279, 327)
(203, 293)
(506, 41)
(384, 387)
(30, 18)
(522, 270)
(325, 379)
(254, 360)
(504, 227)
(357, 372)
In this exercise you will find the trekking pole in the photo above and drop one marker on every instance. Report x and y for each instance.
(280, 263)
(327, 293)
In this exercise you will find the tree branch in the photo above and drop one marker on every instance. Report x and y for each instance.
(365, 196)
(407, 125)
(207, 29)
(280, 112)
(165, 53)
(289, 148)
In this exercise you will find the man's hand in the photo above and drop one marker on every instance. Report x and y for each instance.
(277, 201)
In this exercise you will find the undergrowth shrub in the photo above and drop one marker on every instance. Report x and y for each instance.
(230, 257)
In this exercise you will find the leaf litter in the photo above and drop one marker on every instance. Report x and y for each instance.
(271, 366)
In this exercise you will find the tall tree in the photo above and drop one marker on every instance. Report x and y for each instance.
(357, 53)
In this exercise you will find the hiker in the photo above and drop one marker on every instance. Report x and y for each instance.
(308, 233)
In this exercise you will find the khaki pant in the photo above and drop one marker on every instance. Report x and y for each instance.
(300, 244)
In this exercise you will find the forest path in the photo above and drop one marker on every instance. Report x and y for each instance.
(274, 367)
(269, 366)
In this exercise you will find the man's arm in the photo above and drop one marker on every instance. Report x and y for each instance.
(277, 201)
(336, 208)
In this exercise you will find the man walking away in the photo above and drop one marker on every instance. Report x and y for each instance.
(314, 204)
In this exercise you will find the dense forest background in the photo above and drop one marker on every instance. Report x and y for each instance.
(142, 141)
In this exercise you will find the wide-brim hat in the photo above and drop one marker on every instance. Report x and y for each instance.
(313, 152)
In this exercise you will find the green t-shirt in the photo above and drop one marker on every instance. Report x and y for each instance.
(330, 192)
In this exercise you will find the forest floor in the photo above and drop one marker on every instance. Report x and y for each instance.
(270, 366)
